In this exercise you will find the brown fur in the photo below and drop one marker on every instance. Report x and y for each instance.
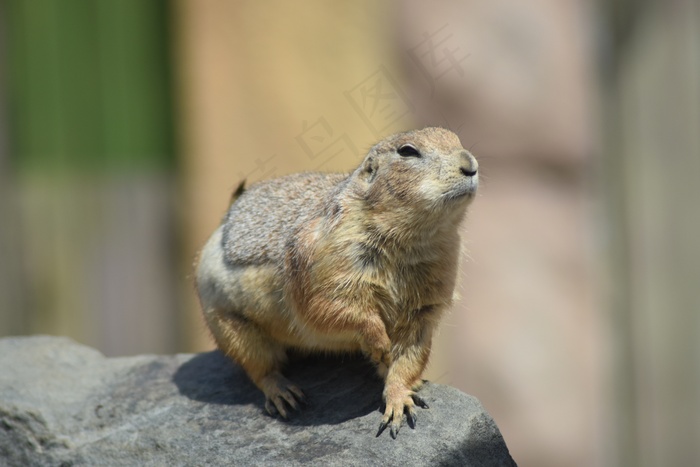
(332, 262)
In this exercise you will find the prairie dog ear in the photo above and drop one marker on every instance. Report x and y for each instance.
(369, 169)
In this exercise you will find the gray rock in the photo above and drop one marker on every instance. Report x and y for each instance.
(64, 404)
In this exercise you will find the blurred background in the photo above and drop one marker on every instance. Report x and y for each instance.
(126, 124)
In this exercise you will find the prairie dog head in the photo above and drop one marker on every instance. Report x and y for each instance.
(427, 171)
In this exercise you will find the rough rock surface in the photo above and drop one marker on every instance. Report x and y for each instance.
(64, 404)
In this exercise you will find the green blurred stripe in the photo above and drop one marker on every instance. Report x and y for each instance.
(89, 84)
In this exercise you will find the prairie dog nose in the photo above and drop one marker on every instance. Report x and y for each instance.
(468, 166)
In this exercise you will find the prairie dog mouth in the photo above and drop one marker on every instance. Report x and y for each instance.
(465, 188)
(459, 193)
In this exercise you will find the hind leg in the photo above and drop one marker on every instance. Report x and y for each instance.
(248, 345)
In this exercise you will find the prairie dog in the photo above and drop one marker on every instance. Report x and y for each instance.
(365, 261)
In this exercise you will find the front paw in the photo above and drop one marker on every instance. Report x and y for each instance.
(400, 402)
(281, 395)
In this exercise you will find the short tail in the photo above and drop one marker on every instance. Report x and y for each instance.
(236, 194)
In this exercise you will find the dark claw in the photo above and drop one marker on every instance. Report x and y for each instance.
(296, 407)
(382, 427)
(394, 431)
(419, 401)
(299, 395)
(270, 408)
(279, 405)
(411, 420)
(291, 402)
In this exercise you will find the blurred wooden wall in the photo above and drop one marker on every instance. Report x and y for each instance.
(88, 239)
(651, 176)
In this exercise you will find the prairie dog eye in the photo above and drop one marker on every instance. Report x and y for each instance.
(408, 151)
